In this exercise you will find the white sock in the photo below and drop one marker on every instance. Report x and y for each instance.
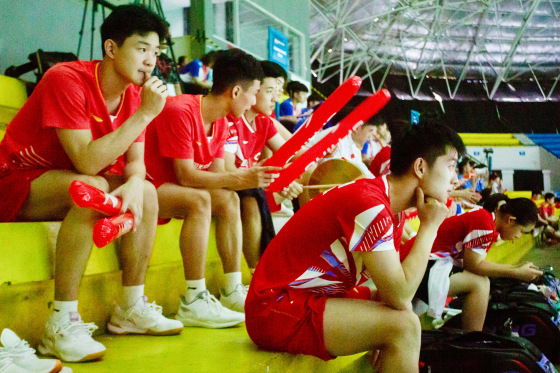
(63, 308)
(194, 287)
(131, 295)
(232, 280)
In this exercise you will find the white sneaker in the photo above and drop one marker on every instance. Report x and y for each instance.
(142, 318)
(7, 364)
(205, 311)
(69, 339)
(235, 300)
(24, 356)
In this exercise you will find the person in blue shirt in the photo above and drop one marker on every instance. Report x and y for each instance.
(197, 74)
(289, 111)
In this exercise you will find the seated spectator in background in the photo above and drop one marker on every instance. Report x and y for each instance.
(495, 183)
(312, 104)
(86, 121)
(248, 136)
(547, 217)
(463, 241)
(304, 296)
(465, 176)
(549, 230)
(289, 109)
(185, 160)
(381, 163)
(348, 148)
(181, 62)
(380, 139)
(197, 75)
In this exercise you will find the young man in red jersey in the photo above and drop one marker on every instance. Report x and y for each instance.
(298, 300)
(86, 121)
(248, 136)
(185, 160)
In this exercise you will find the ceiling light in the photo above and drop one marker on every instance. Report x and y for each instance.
(511, 87)
(345, 39)
(329, 50)
(375, 19)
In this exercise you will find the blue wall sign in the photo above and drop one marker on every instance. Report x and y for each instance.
(278, 50)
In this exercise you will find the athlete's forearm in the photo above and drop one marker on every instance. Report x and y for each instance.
(100, 153)
(414, 266)
(489, 269)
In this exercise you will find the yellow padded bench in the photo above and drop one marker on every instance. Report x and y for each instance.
(490, 139)
(27, 268)
(13, 95)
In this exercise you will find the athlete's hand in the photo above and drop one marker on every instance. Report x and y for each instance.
(468, 195)
(260, 176)
(132, 194)
(431, 212)
(528, 272)
(292, 191)
(153, 96)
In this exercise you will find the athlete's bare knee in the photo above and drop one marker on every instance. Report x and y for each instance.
(226, 204)
(482, 284)
(150, 204)
(406, 328)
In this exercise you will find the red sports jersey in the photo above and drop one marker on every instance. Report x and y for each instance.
(178, 133)
(546, 208)
(68, 96)
(380, 164)
(474, 230)
(246, 142)
(313, 251)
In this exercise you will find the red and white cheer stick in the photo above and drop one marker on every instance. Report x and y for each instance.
(363, 112)
(85, 195)
(107, 229)
(315, 122)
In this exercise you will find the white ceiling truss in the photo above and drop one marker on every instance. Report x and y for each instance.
(491, 42)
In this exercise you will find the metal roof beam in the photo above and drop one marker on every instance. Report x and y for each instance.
(509, 58)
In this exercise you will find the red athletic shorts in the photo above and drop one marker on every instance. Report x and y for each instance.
(290, 321)
(14, 189)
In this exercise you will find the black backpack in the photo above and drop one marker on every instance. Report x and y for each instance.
(533, 315)
(40, 61)
(456, 351)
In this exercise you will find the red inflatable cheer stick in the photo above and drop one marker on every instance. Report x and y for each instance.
(315, 122)
(363, 112)
(85, 195)
(109, 229)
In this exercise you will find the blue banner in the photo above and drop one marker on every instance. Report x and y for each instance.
(278, 50)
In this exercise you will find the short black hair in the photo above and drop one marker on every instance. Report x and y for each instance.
(535, 192)
(462, 164)
(427, 140)
(234, 67)
(181, 59)
(548, 196)
(294, 86)
(273, 70)
(523, 209)
(209, 58)
(127, 20)
(377, 121)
